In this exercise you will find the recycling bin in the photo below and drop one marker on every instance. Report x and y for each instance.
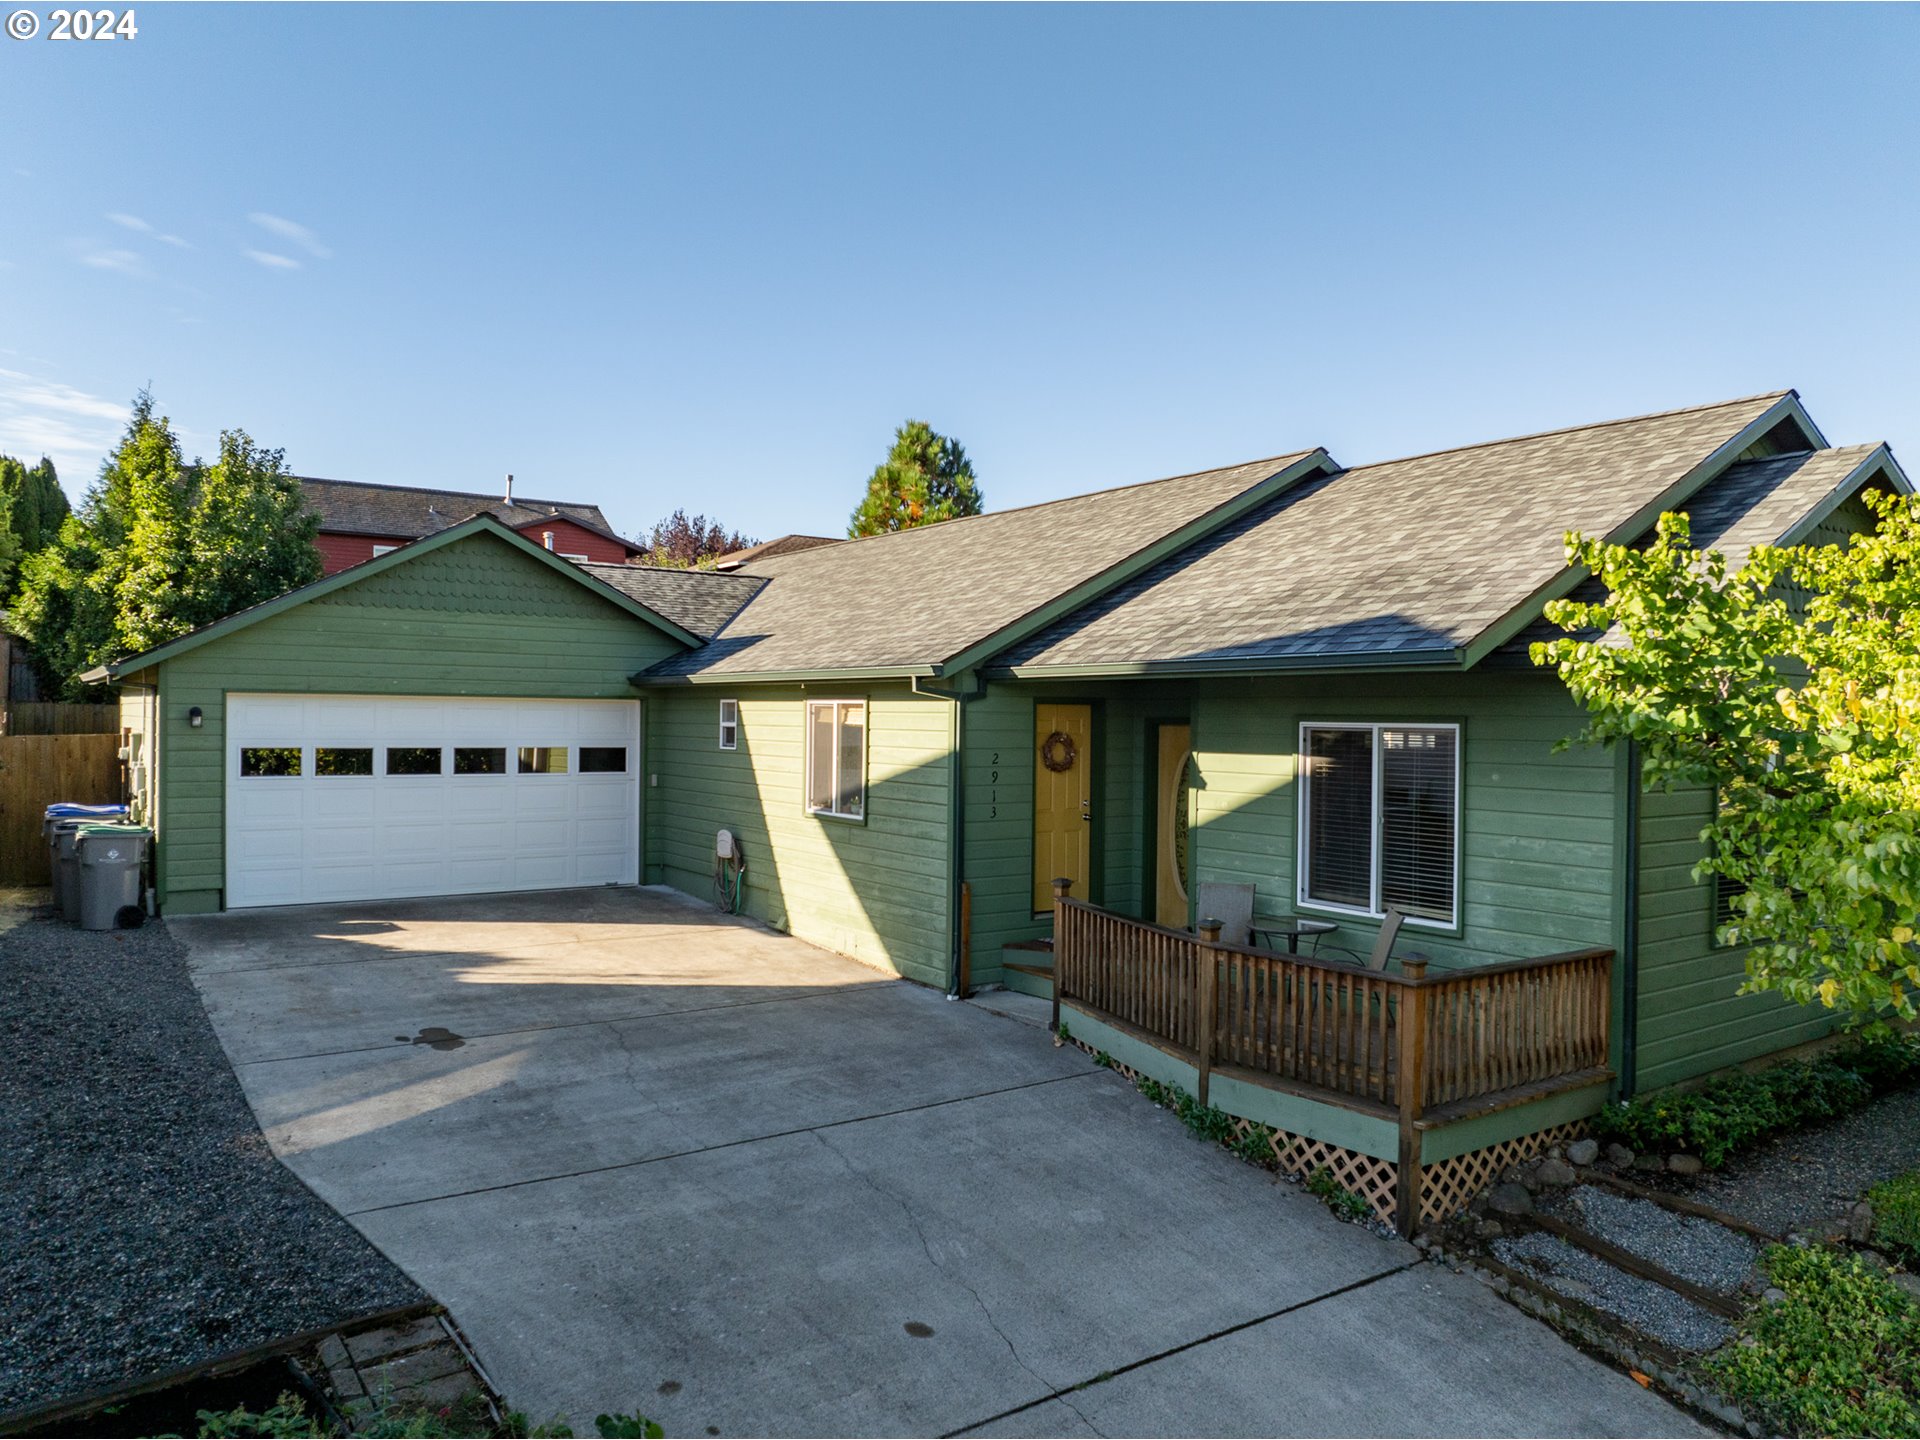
(66, 810)
(109, 874)
(66, 868)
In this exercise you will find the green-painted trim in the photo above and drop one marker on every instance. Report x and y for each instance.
(1446, 1142)
(1563, 584)
(353, 575)
(1295, 1114)
(1382, 663)
(192, 902)
(644, 681)
(1626, 851)
(1315, 462)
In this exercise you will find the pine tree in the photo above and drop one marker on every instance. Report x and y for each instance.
(925, 478)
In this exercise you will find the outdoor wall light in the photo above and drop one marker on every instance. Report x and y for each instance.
(194, 717)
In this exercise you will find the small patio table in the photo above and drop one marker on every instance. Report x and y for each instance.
(1272, 928)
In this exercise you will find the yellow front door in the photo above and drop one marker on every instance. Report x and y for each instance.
(1062, 800)
(1170, 826)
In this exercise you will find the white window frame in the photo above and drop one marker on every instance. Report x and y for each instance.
(380, 550)
(806, 779)
(730, 725)
(1303, 760)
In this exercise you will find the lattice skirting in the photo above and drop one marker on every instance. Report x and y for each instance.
(1445, 1186)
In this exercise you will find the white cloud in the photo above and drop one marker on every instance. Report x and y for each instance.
(73, 428)
(273, 261)
(294, 231)
(123, 262)
(141, 227)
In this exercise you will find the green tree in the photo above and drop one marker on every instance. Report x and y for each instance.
(689, 542)
(34, 502)
(162, 546)
(1792, 688)
(926, 477)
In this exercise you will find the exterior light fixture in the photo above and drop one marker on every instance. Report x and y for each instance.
(194, 717)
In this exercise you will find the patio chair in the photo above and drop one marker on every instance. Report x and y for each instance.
(1382, 947)
(1231, 905)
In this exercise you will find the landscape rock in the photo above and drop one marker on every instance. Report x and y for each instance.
(1650, 1163)
(1860, 1223)
(1907, 1285)
(1619, 1156)
(1773, 1295)
(1492, 1230)
(1684, 1164)
(1510, 1198)
(1554, 1171)
(1583, 1152)
(1875, 1260)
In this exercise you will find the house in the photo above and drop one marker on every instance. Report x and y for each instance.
(768, 549)
(359, 522)
(1286, 673)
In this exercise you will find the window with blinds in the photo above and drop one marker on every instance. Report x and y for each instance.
(1379, 819)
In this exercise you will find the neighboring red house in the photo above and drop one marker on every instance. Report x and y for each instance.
(358, 522)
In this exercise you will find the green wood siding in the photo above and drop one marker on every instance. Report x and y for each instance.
(1691, 1019)
(1537, 827)
(879, 889)
(475, 617)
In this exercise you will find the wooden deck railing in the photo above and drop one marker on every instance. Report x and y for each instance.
(1404, 1044)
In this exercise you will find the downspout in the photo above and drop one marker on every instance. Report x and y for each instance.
(1630, 935)
(957, 809)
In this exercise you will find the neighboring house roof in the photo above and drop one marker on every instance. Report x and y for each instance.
(479, 524)
(347, 507)
(921, 601)
(701, 601)
(1434, 559)
(767, 549)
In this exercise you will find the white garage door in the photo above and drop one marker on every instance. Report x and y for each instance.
(350, 797)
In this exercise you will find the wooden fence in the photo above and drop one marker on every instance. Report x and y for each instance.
(35, 772)
(1403, 1044)
(49, 717)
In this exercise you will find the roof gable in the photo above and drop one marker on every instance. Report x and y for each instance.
(928, 601)
(370, 572)
(1414, 561)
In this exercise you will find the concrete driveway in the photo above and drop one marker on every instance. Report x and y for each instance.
(655, 1158)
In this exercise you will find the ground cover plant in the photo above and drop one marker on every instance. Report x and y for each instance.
(1737, 1111)
(1838, 1355)
(1896, 1216)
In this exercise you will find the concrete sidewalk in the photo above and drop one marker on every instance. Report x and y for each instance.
(656, 1159)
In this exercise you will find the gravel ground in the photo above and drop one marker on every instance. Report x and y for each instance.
(1814, 1175)
(144, 1224)
(1710, 1255)
(1651, 1309)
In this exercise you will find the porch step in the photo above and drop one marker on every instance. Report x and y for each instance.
(1028, 968)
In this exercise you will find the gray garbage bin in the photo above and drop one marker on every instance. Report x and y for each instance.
(66, 868)
(110, 857)
(77, 815)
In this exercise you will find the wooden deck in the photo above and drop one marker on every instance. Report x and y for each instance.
(1421, 1049)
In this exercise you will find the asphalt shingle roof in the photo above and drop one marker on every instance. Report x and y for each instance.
(1422, 554)
(696, 600)
(348, 507)
(768, 549)
(918, 597)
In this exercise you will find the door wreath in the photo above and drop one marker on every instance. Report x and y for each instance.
(1057, 752)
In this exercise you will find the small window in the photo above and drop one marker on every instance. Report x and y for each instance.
(729, 724)
(380, 550)
(577, 559)
(270, 760)
(413, 760)
(543, 759)
(837, 758)
(1379, 816)
(479, 760)
(332, 760)
(603, 759)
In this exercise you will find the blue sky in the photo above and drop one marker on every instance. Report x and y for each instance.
(710, 257)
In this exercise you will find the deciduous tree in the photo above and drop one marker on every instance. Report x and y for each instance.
(683, 541)
(1792, 689)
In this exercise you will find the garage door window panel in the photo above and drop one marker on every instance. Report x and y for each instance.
(479, 760)
(603, 759)
(405, 760)
(543, 759)
(335, 760)
(269, 762)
